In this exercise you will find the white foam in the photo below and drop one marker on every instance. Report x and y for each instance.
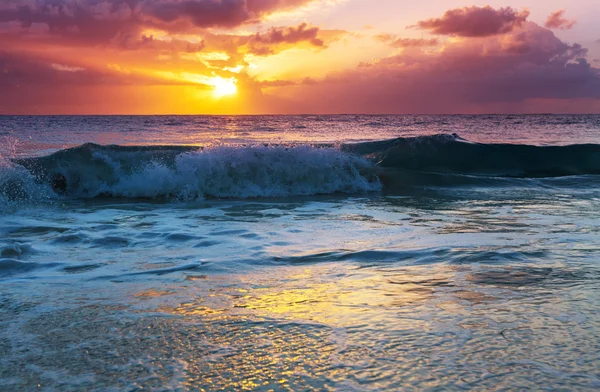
(237, 172)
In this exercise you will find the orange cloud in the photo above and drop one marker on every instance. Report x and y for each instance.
(557, 20)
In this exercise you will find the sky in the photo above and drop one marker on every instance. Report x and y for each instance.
(299, 56)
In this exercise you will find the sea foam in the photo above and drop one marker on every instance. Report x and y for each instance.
(258, 171)
(218, 172)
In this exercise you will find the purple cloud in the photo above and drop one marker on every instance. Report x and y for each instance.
(496, 73)
(475, 22)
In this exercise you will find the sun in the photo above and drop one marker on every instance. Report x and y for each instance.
(223, 87)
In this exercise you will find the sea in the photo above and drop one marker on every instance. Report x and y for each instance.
(300, 253)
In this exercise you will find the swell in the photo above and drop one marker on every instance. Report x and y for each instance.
(450, 154)
(185, 173)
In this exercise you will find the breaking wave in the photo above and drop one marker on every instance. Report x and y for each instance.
(187, 173)
(184, 173)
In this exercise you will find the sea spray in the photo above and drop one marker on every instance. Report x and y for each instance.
(251, 171)
(17, 184)
(216, 172)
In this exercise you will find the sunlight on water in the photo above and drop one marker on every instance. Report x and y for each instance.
(396, 265)
(387, 294)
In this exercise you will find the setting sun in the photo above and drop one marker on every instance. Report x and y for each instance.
(223, 86)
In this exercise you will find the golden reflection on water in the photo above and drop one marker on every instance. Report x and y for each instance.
(323, 324)
(153, 293)
(323, 295)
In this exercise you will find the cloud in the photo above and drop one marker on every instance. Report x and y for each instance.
(35, 84)
(217, 13)
(557, 20)
(98, 22)
(496, 73)
(16, 28)
(501, 62)
(66, 68)
(277, 38)
(396, 42)
(93, 20)
(309, 81)
(276, 83)
(174, 40)
(19, 70)
(292, 35)
(475, 22)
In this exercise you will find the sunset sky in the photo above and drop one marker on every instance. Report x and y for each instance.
(299, 56)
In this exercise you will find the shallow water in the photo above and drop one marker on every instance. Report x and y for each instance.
(467, 286)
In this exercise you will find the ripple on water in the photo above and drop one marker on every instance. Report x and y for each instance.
(10, 267)
(181, 237)
(16, 249)
(71, 238)
(26, 231)
(206, 244)
(110, 242)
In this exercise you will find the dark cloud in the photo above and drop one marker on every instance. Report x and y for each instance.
(216, 13)
(557, 20)
(93, 22)
(475, 22)
(89, 21)
(201, 13)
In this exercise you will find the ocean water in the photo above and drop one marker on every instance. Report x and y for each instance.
(345, 253)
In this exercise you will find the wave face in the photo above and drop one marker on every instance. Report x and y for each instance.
(186, 173)
(190, 173)
(451, 154)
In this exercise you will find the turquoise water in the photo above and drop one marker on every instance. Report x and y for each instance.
(297, 266)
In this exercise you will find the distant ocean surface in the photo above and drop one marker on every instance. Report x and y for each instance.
(343, 253)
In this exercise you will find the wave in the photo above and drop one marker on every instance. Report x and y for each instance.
(450, 154)
(188, 173)
(10, 267)
(185, 173)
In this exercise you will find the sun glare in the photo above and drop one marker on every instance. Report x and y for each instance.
(223, 87)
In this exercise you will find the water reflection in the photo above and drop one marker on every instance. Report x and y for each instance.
(327, 326)
(365, 328)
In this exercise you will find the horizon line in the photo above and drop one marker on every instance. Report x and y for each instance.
(290, 114)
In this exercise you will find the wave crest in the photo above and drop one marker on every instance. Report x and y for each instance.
(185, 173)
